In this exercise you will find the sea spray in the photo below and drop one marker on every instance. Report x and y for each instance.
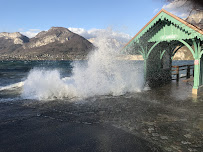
(12, 86)
(46, 84)
(103, 74)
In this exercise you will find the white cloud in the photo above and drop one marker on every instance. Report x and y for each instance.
(20, 29)
(34, 30)
(183, 15)
(179, 8)
(30, 33)
(174, 4)
(93, 33)
(155, 10)
(117, 37)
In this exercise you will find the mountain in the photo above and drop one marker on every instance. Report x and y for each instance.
(55, 44)
(183, 54)
(9, 42)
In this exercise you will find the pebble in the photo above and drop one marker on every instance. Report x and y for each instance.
(168, 149)
(188, 136)
(187, 130)
(183, 119)
(154, 138)
(192, 150)
(101, 112)
(87, 123)
(164, 137)
(185, 142)
(176, 147)
(150, 130)
(155, 134)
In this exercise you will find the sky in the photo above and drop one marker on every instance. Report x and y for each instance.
(122, 16)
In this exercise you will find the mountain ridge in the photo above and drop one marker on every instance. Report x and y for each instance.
(58, 43)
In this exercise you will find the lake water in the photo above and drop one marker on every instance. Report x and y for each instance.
(13, 74)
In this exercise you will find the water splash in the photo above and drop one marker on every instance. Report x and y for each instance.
(46, 84)
(104, 74)
(12, 86)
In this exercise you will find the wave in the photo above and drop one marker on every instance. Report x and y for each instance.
(103, 74)
(47, 84)
(12, 86)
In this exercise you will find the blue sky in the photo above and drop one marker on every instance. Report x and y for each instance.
(127, 16)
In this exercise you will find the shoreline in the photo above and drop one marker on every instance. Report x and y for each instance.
(124, 59)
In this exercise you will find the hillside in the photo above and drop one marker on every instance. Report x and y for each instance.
(183, 54)
(57, 43)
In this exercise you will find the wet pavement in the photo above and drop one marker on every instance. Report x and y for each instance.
(164, 119)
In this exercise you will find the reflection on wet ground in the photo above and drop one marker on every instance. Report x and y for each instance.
(167, 119)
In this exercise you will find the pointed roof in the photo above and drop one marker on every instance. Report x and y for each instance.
(165, 15)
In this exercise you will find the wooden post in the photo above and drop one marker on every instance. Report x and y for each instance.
(188, 72)
(177, 73)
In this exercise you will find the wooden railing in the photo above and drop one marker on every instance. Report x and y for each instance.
(186, 68)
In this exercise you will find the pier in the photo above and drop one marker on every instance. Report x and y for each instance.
(187, 71)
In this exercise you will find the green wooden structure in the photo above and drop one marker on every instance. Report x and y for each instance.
(160, 39)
